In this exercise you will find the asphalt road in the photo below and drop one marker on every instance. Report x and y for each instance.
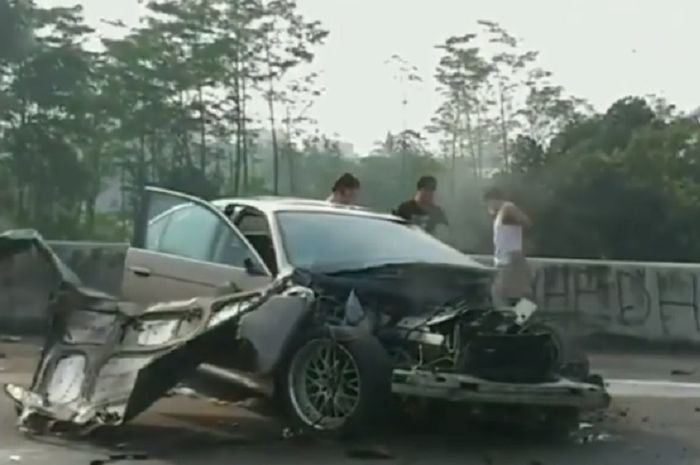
(655, 419)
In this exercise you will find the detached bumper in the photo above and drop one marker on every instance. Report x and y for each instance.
(469, 389)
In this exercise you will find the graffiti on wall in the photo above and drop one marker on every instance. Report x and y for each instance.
(661, 299)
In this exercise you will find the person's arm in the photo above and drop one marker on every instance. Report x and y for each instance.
(402, 212)
(514, 215)
(442, 217)
(442, 232)
(442, 226)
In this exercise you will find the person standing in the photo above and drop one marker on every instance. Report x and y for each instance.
(421, 210)
(344, 190)
(513, 280)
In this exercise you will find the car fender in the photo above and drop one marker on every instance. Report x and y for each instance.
(271, 329)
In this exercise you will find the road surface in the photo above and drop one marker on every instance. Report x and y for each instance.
(655, 419)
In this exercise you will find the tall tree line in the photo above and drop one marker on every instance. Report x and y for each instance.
(170, 103)
(166, 103)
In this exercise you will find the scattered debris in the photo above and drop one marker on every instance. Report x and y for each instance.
(3, 355)
(228, 424)
(375, 452)
(697, 409)
(11, 339)
(119, 457)
(15, 458)
(288, 433)
(623, 413)
(595, 437)
(678, 372)
(645, 420)
(184, 391)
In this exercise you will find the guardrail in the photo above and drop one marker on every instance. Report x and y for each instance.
(647, 301)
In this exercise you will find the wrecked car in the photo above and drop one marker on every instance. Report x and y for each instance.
(341, 310)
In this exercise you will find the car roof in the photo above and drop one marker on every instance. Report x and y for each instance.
(270, 204)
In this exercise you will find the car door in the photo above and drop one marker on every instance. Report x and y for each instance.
(184, 247)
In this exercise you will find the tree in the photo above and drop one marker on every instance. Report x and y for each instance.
(287, 42)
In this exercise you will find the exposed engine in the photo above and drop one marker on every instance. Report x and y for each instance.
(460, 334)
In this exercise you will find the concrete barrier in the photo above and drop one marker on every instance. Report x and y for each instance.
(646, 301)
(26, 280)
(98, 264)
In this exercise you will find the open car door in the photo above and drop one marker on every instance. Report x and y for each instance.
(184, 247)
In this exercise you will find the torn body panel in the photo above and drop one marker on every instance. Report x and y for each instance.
(105, 361)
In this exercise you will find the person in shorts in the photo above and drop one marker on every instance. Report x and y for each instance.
(513, 280)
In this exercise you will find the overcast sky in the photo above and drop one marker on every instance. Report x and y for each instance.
(597, 49)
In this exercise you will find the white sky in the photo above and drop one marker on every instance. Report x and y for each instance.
(597, 49)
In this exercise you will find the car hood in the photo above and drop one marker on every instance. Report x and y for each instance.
(407, 289)
(460, 262)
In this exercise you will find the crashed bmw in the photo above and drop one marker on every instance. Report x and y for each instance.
(340, 310)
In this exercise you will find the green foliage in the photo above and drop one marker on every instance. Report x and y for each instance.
(167, 104)
(622, 185)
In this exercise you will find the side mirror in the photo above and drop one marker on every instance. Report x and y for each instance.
(252, 268)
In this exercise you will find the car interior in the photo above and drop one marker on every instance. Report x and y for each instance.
(254, 226)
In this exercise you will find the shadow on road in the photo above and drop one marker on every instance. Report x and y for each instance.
(224, 434)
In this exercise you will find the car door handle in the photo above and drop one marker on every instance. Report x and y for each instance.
(140, 271)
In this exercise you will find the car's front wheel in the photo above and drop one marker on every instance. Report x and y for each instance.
(335, 386)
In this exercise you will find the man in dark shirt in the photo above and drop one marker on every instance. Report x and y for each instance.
(422, 210)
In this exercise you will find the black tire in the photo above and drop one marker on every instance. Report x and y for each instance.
(572, 361)
(373, 367)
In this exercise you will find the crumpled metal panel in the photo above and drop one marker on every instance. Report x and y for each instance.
(105, 361)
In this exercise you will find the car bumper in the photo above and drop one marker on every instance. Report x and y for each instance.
(469, 389)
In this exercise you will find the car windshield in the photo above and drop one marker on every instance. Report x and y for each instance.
(334, 242)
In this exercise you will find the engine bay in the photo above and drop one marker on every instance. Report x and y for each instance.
(441, 321)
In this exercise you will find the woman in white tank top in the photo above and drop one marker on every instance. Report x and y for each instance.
(513, 279)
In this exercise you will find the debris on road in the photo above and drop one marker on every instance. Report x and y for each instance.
(183, 391)
(679, 372)
(15, 458)
(10, 339)
(120, 457)
(375, 452)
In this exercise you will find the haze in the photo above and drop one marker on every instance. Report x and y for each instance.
(600, 50)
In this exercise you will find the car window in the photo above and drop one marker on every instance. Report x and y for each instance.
(229, 249)
(329, 241)
(155, 231)
(253, 223)
(190, 232)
